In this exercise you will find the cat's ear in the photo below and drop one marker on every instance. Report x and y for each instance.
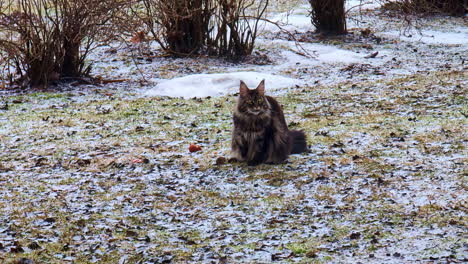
(243, 89)
(261, 88)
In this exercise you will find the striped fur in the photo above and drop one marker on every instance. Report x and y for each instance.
(260, 133)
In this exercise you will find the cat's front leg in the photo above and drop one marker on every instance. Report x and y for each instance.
(253, 163)
(238, 148)
(243, 150)
(257, 159)
(260, 152)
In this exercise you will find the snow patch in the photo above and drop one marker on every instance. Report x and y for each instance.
(203, 85)
(362, 4)
(297, 20)
(321, 53)
(330, 54)
(457, 36)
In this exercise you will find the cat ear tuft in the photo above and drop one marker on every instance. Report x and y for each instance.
(243, 89)
(261, 88)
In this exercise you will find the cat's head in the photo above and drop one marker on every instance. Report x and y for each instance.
(253, 101)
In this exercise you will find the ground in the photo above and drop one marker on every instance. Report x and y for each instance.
(103, 174)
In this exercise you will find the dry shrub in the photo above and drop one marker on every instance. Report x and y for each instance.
(329, 16)
(225, 28)
(452, 7)
(47, 40)
(236, 27)
(179, 26)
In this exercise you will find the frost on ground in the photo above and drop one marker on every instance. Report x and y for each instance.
(103, 174)
(111, 179)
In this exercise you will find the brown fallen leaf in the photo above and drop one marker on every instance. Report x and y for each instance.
(103, 81)
(34, 245)
(355, 235)
(366, 32)
(138, 37)
(23, 261)
(373, 55)
(131, 233)
(194, 148)
(220, 160)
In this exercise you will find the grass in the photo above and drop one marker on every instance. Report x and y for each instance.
(111, 179)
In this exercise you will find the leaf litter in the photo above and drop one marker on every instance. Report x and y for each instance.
(104, 174)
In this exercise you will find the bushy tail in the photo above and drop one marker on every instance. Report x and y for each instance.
(298, 140)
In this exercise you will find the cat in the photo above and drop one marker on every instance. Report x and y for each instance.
(260, 133)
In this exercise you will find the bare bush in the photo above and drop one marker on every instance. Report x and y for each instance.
(236, 27)
(452, 7)
(329, 16)
(45, 40)
(179, 26)
(226, 28)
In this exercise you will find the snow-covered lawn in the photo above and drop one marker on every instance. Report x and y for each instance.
(456, 36)
(103, 174)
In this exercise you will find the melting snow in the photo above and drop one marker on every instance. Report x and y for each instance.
(202, 85)
(362, 4)
(457, 36)
(218, 84)
(294, 20)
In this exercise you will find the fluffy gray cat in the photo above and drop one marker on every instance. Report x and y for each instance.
(260, 133)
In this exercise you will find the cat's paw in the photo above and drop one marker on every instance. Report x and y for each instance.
(253, 163)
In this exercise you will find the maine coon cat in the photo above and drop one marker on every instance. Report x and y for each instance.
(260, 133)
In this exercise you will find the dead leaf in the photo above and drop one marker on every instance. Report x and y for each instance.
(356, 235)
(194, 148)
(138, 37)
(131, 233)
(366, 32)
(373, 55)
(220, 160)
(34, 245)
(24, 261)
